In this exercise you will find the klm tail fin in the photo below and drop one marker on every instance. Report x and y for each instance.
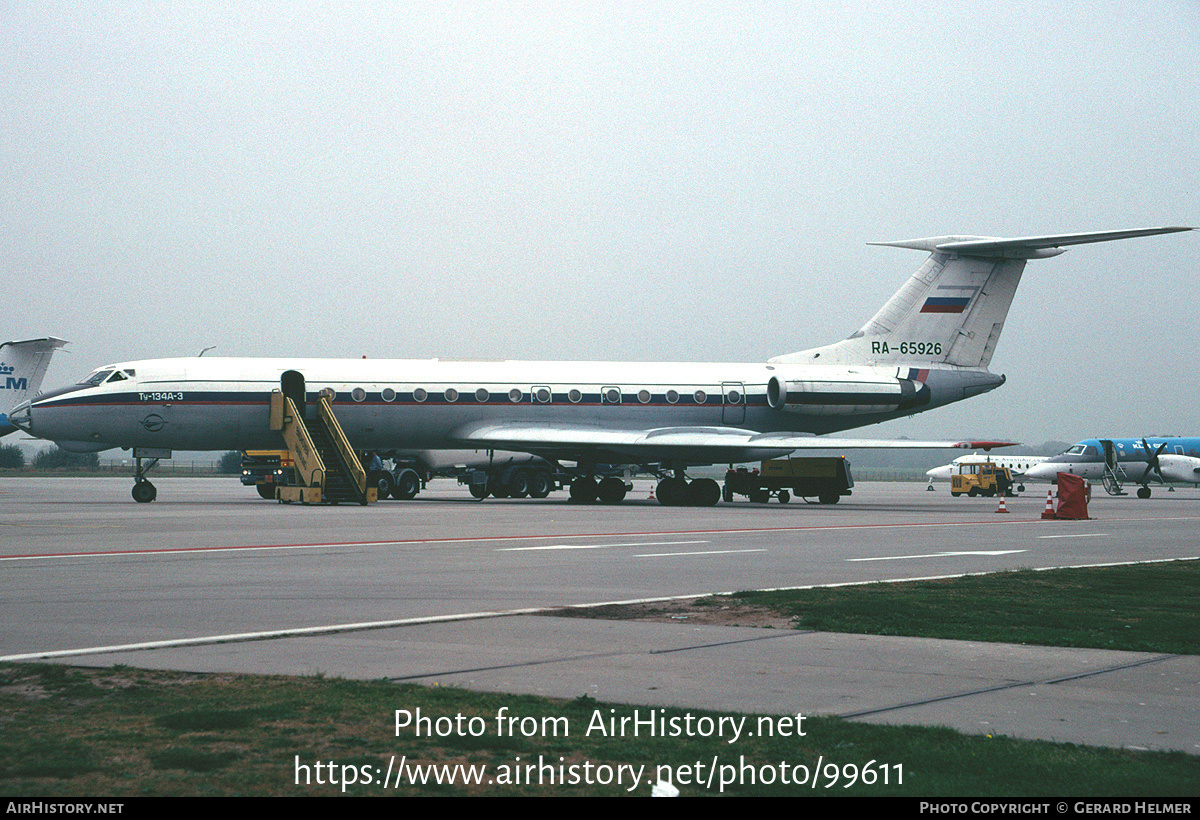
(22, 367)
(951, 311)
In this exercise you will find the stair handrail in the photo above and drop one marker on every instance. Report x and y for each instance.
(353, 466)
(286, 419)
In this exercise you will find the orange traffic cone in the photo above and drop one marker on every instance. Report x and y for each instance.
(651, 498)
(1049, 511)
(1002, 508)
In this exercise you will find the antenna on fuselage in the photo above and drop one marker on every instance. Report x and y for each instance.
(205, 350)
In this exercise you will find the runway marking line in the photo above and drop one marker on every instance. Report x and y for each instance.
(498, 538)
(939, 555)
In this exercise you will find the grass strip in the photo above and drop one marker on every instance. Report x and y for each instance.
(1140, 607)
(127, 732)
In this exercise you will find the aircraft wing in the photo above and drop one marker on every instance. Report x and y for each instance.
(696, 445)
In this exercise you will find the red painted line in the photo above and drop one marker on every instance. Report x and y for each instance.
(495, 538)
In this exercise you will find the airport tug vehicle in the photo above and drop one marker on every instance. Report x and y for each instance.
(981, 478)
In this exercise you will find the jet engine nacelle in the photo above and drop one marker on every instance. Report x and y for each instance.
(844, 392)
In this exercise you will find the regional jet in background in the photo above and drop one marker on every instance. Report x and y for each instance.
(1017, 465)
(928, 346)
(22, 367)
(1120, 460)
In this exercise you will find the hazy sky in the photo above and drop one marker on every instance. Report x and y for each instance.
(678, 181)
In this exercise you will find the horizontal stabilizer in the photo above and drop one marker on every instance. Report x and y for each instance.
(1025, 247)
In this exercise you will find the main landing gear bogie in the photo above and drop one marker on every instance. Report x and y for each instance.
(679, 492)
(535, 482)
(608, 490)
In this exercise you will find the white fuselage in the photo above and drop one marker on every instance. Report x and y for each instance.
(1017, 465)
(1174, 460)
(216, 404)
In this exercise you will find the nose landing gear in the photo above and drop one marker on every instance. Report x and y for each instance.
(143, 491)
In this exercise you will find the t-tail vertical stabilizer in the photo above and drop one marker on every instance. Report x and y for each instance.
(949, 313)
(22, 367)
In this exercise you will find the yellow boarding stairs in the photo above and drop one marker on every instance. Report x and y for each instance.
(326, 468)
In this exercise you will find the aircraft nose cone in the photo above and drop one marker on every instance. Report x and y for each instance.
(1042, 471)
(21, 416)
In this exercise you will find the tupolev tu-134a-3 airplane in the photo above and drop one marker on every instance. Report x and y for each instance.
(928, 346)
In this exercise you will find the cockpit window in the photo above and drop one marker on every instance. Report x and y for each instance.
(118, 377)
(97, 377)
(1077, 450)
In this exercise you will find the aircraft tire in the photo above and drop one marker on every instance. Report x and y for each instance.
(703, 492)
(671, 492)
(144, 492)
(583, 490)
(540, 483)
(1143, 492)
(611, 490)
(407, 486)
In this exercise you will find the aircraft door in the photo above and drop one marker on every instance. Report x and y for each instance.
(292, 385)
(1110, 454)
(733, 403)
